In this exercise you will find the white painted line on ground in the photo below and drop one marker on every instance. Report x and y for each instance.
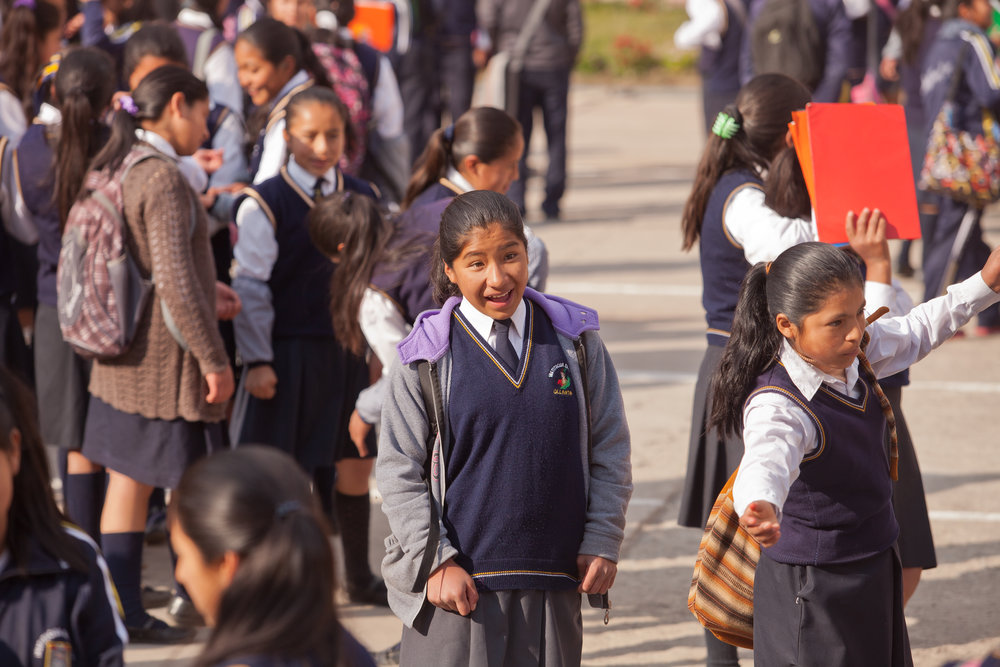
(949, 515)
(936, 515)
(628, 289)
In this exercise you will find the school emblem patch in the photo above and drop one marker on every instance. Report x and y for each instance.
(560, 373)
(53, 648)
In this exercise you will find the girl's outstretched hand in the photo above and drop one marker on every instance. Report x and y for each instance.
(991, 270)
(451, 588)
(761, 522)
(866, 234)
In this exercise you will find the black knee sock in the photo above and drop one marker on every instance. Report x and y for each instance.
(353, 513)
(83, 495)
(720, 654)
(123, 552)
(324, 479)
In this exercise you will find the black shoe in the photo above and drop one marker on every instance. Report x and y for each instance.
(374, 593)
(904, 270)
(154, 598)
(183, 613)
(155, 631)
(390, 656)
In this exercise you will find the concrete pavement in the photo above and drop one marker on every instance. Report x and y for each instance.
(633, 152)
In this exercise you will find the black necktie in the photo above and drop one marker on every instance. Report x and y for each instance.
(505, 350)
(318, 188)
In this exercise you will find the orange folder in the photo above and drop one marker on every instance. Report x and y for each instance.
(855, 156)
(374, 23)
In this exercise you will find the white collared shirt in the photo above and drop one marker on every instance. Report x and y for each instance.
(256, 248)
(455, 177)
(777, 433)
(762, 233)
(483, 324)
(220, 66)
(275, 150)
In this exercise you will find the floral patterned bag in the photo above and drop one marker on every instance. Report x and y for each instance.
(960, 164)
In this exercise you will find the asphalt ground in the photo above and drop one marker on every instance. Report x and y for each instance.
(633, 153)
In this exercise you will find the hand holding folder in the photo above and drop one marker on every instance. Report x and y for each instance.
(856, 156)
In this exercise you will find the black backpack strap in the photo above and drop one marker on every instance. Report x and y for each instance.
(581, 359)
(430, 387)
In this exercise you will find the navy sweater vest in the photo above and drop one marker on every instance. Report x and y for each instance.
(300, 278)
(516, 506)
(723, 264)
(840, 508)
(36, 173)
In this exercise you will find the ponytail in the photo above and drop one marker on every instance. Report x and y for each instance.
(24, 27)
(785, 190)
(149, 101)
(485, 132)
(430, 167)
(355, 221)
(762, 111)
(796, 284)
(84, 85)
(753, 345)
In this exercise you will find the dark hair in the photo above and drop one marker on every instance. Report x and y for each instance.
(137, 11)
(34, 516)
(84, 84)
(255, 501)
(796, 284)
(157, 39)
(910, 25)
(343, 10)
(478, 209)
(355, 221)
(485, 132)
(763, 108)
(785, 190)
(210, 7)
(23, 28)
(151, 97)
(322, 95)
(951, 7)
(277, 41)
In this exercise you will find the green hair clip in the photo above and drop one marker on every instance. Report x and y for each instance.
(725, 126)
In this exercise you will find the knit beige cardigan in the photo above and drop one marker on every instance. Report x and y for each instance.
(155, 378)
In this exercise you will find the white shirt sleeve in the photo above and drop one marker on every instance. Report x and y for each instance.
(13, 124)
(899, 342)
(387, 102)
(274, 154)
(707, 21)
(256, 248)
(229, 137)
(762, 233)
(220, 77)
(17, 218)
(192, 173)
(382, 325)
(777, 434)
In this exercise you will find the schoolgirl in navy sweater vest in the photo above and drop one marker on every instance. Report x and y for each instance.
(300, 384)
(480, 151)
(275, 63)
(533, 452)
(814, 486)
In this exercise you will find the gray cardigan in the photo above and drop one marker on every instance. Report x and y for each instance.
(403, 436)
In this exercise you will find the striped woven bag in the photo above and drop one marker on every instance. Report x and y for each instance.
(721, 594)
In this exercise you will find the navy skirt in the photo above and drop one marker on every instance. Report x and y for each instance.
(61, 383)
(844, 615)
(151, 451)
(318, 384)
(916, 543)
(712, 458)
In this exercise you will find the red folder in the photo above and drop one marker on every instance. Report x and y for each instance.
(374, 23)
(855, 156)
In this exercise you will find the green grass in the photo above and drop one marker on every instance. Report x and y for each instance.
(649, 30)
